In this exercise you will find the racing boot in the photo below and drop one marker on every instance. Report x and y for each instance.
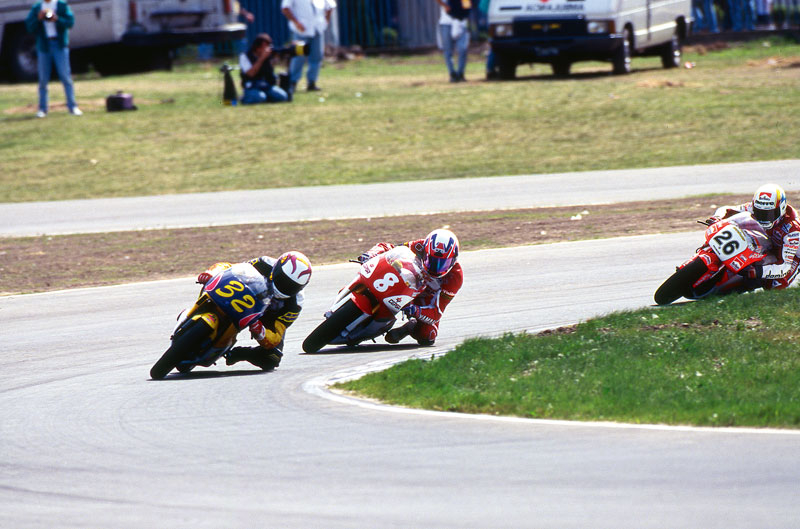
(266, 359)
(395, 335)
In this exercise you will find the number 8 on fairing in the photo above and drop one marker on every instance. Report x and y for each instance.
(384, 284)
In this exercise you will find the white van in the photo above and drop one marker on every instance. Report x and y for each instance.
(119, 35)
(560, 32)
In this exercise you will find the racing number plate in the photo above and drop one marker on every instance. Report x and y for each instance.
(728, 242)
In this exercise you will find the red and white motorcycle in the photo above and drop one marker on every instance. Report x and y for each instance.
(731, 245)
(368, 306)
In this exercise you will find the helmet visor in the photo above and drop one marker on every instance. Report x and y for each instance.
(283, 286)
(438, 266)
(766, 216)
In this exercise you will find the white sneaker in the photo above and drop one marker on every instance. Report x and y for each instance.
(41, 114)
(76, 111)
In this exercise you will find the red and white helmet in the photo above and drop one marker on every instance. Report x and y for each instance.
(290, 274)
(769, 205)
(440, 253)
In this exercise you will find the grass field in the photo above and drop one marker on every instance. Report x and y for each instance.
(383, 119)
(720, 362)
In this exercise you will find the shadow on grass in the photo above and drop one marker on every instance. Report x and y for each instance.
(599, 74)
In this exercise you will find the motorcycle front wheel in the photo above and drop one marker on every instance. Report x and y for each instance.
(183, 347)
(680, 283)
(331, 327)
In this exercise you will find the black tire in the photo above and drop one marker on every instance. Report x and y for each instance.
(183, 347)
(561, 68)
(622, 57)
(331, 327)
(680, 283)
(506, 68)
(671, 54)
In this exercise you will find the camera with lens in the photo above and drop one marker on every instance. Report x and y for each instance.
(292, 50)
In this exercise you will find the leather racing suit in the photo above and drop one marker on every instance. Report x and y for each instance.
(270, 328)
(785, 237)
(428, 306)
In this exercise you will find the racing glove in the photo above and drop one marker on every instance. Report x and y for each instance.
(257, 331)
(203, 278)
(411, 311)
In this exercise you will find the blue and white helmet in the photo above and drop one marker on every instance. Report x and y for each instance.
(440, 253)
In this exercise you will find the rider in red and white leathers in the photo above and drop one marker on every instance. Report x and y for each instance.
(438, 253)
(782, 225)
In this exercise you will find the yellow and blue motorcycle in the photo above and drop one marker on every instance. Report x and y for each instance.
(227, 304)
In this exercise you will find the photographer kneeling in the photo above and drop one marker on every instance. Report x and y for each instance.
(258, 78)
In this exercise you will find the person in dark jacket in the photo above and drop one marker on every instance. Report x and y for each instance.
(258, 77)
(50, 21)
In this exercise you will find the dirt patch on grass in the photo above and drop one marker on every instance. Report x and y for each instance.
(38, 264)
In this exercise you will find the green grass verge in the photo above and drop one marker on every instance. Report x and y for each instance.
(388, 119)
(720, 362)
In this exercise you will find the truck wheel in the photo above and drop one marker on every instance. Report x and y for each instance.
(671, 53)
(506, 68)
(622, 57)
(561, 68)
(21, 56)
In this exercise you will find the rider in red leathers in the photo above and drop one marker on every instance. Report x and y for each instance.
(782, 225)
(438, 253)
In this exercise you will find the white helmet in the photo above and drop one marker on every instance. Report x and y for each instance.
(290, 274)
(769, 205)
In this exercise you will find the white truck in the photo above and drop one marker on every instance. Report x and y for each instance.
(561, 32)
(119, 35)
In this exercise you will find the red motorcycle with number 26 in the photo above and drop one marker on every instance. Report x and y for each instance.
(731, 245)
(367, 307)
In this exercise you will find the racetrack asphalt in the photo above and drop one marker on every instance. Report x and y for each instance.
(88, 441)
(389, 199)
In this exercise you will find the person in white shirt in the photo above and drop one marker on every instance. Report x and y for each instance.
(308, 20)
(454, 33)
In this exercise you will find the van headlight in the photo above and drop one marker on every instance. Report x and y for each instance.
(600, 26)
(501, 30)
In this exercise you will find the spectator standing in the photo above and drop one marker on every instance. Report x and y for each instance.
(258, 77)
(491, 66)
(705, 15)
(454, 35)
(50, 21)
(308, 20)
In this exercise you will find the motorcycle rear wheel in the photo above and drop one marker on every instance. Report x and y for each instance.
(331, 327)
(183, 347)
(680, 283)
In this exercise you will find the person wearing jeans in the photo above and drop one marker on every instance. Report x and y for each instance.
(308, 20)
(258, 77)
(454, 35)
(50, 21)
